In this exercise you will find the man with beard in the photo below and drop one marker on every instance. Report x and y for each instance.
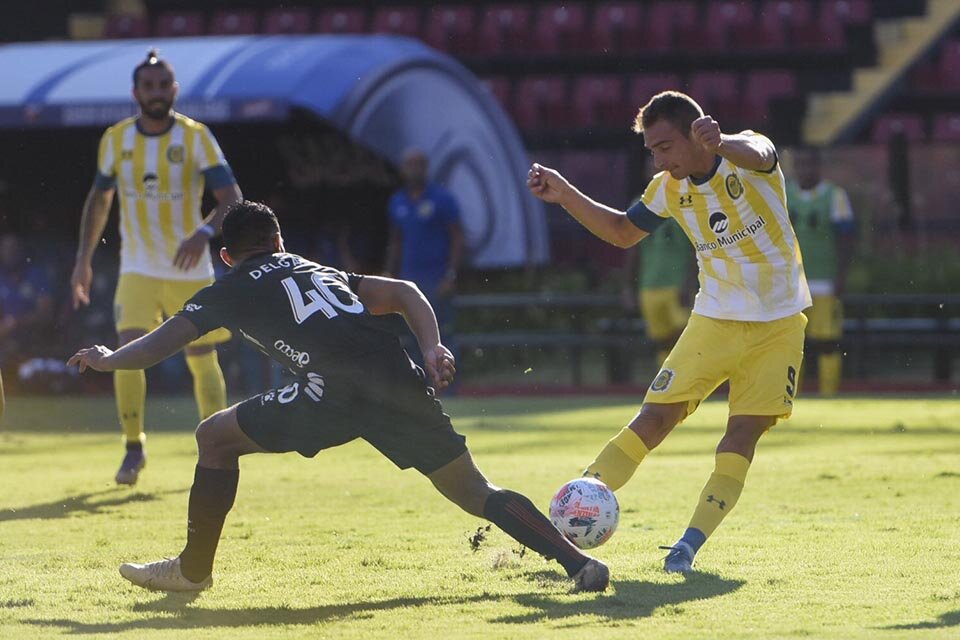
(159, 161)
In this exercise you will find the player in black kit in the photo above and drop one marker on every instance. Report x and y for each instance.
(354, 380)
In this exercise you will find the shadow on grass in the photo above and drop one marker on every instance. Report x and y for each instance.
(631, 600)
(948, 619)
(90, 503)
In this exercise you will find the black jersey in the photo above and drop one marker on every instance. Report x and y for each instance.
(304, 315)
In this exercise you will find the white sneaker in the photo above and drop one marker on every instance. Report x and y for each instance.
(594, 576)
(163, 575)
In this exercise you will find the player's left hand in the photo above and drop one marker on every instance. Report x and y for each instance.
(440, 366)
(706, 132)
(191, 251)
(92, 358)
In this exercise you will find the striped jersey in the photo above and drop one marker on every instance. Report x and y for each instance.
(747, 252)
(160, 180)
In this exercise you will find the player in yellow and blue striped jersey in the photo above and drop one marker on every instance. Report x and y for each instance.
(728, 195)
(159, 162)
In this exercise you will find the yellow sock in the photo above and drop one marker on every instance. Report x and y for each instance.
(618, 460)
(830, 368)
(208, 386)
(130, 388)
(721, 492)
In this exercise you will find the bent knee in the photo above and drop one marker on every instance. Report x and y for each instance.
(210, 430)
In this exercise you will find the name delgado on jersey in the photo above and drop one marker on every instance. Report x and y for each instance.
(299, 358)
(281, 263)
(726, 241)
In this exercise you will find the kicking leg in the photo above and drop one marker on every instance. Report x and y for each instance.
(720, 494)
(624, 453)
(461, 482)
(221, 442)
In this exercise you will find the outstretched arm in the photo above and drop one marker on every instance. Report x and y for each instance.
(386, 295)
(161, 343)
(607, 224)
(752, 152)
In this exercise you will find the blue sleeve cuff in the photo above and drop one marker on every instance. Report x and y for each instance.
(219, 176)
(643, 218)
(104, 183)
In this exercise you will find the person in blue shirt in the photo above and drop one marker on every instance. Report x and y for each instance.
(26, 303)
(426, 237)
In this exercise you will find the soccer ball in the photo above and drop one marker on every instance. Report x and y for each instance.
(586, 511)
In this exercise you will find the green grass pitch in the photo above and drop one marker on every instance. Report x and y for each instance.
(848, 528)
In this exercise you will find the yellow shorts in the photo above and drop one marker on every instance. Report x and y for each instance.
(662, 312)
(142, 302)
(760, 359)
(826, 318)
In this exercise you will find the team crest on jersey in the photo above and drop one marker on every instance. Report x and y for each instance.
(175, 153)
(126, 154)
(662, 381)
(734, 186)
(686, 200)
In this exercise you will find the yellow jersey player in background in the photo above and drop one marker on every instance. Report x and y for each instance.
(823, 219)
(727, 193)
(159, 161)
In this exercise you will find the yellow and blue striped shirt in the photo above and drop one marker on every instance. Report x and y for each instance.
(747, 251)
(160, 179)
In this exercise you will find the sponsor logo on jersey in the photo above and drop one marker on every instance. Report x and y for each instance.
(175, 153)
(686, 200)
(192, 307)
(734, 186)
(663, 380)
(719, 222)
(734, 238)
(425, 209)
(299, 358)
(126, 154)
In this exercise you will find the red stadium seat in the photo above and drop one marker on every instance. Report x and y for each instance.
(617, 27)
(665, 18)
(598, 102)
(402, 21)
(719, 95)
(842, 12)
(761, 88)
(946, 128)
(176, 24)
(818, 36)
(949, 66)
(505, 29)
(125, 26)
(786, 13)
(887, 126)
(560, 28)
(644, 86)
(541, 102)
(292, 20)
(501, 90)
(342, 20)
(452, 29)
(234, 23)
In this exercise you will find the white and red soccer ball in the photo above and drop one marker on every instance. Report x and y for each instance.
(586, 511)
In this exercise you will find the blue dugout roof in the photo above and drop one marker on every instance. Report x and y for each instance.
(387, 92)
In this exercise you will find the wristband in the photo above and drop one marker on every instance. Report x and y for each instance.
(208, 230)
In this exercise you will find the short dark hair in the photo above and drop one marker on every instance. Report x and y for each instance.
(673, 106)
(152, 60)
(248, 226)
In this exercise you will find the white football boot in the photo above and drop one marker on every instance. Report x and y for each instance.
(163, 575)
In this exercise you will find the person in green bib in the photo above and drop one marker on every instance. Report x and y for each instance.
(823, 220)
(660, 268)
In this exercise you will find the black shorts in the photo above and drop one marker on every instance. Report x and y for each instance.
(389, 405)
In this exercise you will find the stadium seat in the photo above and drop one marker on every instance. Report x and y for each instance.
(891, 124)
(843, 12)
(293, 20)
(234, 22)
(665, 18)
(617, 27)
(560, 28)
(786, 13)
(949, 66)
(644, 86)
(401, 21)
(541, 102)
(719, 95)
(598, 102)
(126, 26)
(727, 22)
(500, 88)
(342, 20)
(946, 128)
(504, 29)
(761, 88)
(452, 29)
(176, 24)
